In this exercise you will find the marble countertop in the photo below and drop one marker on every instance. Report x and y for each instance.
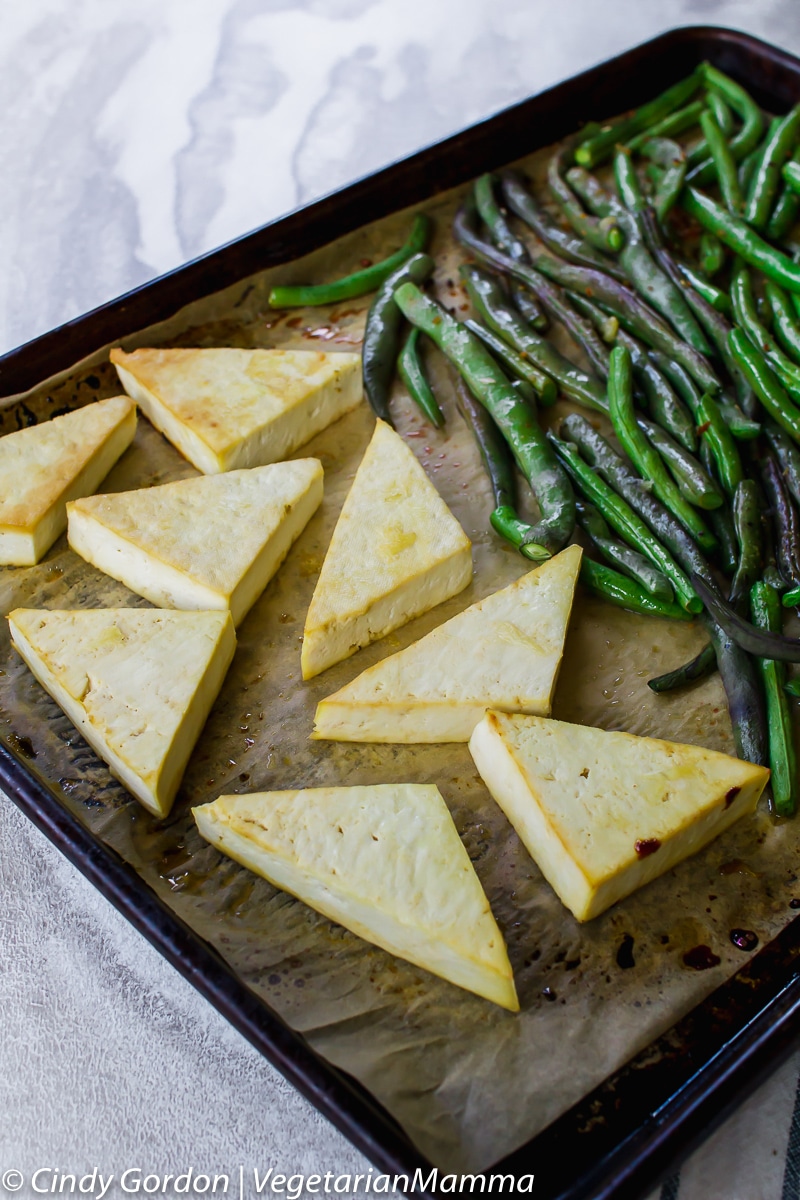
(139, 134)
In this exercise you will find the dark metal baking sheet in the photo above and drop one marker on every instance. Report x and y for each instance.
(618, 1139)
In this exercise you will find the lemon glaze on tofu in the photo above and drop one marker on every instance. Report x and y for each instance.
(213, 541)
(385, 861)
(503, 652)
(396, 552)
(45, 465)
(602, 813)
(226, 408)
(137, 682)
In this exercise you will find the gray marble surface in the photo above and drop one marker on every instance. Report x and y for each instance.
(138, 134)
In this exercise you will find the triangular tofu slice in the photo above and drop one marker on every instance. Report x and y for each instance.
(604, 813)
(384, 861)
(44, 466)
(137, 682)
(213, 541)
(503, 652)
(227, 408)
(396, 552)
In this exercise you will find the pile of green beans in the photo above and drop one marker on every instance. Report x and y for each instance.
(684, 349)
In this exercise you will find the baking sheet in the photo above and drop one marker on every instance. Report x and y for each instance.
(468, 1081)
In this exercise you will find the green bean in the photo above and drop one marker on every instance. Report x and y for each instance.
(723, 449)
(515, 419)
(610, 585)
(782, 761)
(412, 373)
(712, 256)
(787, 206)
(739, 237)
(702, 665)
(724, 164)
(560, 241)
(558, 307)
(788, 456)
(690, 477)
(662, 402)
(747, 138)
(722, 113)
(497, 460)
(612, 468)
(747, 522)
(713, 295)
(605, 324)
(677, 122)
(624, 520)
(593, 150)
(743, 690)
(637, 316)
(671, 156)
(747, 168)
(791, 175)
(747, 317)
(494, 451)
(487, 297)
(785, 520)
(784, 320)
(743, 429)
(765, 383)
(625, 559)
(713, 322)
(357, 284)
(652, 284)
(777, 148)
(722, 526)
(644, 457)
(382, 332)
(544, 387)
(604, 234)
(505, 240)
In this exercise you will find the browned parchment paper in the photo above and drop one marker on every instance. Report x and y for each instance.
(468, 1081)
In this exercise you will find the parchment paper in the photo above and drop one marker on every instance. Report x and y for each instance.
(468, 1081)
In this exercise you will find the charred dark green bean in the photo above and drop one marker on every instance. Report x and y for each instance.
(766, 611)
(755, 641)
(788, 456)
(515, 419)
(747, 522)
(744, 694)
(382, 332)
(702, 665)
(784, 515)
